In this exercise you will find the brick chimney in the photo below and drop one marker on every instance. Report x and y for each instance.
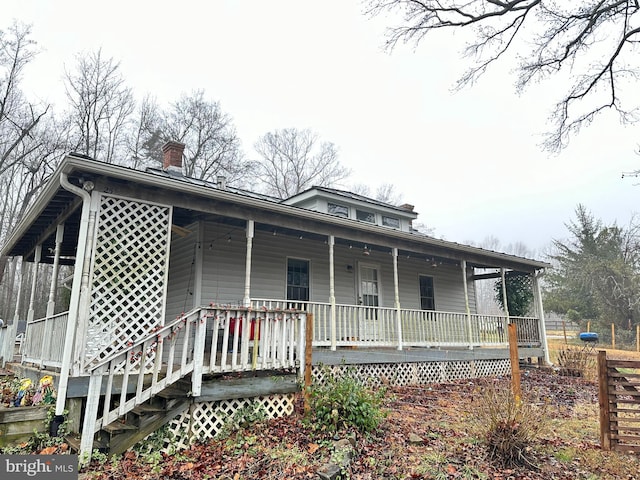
(172, 156)
(407, 206)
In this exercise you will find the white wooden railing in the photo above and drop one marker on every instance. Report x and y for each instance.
(205, 340)
(7, 343)
(358, 325)
(44, 340)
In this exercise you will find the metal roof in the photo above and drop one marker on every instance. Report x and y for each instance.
(38, 225)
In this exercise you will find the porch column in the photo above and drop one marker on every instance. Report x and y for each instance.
(82, 260)
(16, 313)
(505, 303)
(396, 289)
(34, 268)
(199, 259)
(463, 265)
(51, 305)
(247, 269)
(537, 295)
(332, 293)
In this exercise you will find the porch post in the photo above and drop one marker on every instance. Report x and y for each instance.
(36, 264)
(83, 257)
(247, 270)
(332, 292)
(394, 253)
(540, 311)
(505, 304)
(16, 313)
(199, 259)
(463, 265)
(51, 305)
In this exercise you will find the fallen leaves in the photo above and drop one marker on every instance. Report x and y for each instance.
(440, 414)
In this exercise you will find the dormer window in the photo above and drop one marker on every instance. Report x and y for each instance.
(338, 210)
(390, 222)
(365, 216)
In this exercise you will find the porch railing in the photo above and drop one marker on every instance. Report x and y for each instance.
(7, 343)
(205, 340)
(44, 340)
(358, 325)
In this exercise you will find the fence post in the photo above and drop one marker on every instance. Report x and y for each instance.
(515, 362)
(603, 401)
(308, 358)
(564, 330)
(613, 336)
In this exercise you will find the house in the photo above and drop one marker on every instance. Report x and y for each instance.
(177, 281)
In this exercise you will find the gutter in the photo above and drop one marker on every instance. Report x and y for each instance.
(72, 163)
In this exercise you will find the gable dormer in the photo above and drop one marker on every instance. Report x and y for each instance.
(354, 206)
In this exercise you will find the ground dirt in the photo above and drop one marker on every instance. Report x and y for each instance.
(431, 432)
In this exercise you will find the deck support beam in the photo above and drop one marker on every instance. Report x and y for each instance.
(51, 305)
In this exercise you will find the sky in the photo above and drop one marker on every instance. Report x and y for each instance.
(469, 161)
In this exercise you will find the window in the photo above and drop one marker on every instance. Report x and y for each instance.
(366, 216)
(339, 210)
(427, 297)
(391, 222)
(297, 280)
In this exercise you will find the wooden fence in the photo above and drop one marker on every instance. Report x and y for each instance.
(619, 399)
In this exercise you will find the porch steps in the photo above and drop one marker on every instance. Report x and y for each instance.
(144, 419)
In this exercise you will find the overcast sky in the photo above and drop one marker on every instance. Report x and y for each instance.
(468, 161)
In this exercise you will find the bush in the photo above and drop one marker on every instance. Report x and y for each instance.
(342, 401)
(510, 426)
(575, 362)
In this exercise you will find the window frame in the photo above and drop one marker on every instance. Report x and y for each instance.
(307, 263)
(431, 299)
(332, 207)
(368, 214)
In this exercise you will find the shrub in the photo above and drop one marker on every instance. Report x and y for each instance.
(342, 401)
(510, 426)
(575, 362)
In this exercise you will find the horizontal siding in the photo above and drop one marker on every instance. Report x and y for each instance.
(224, 271)
(181, 273)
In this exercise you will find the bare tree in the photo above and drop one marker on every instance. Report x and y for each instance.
(212, 144)
(144, 141)
(595, 43)
(293, 160)
(18, 117)
(101, 107)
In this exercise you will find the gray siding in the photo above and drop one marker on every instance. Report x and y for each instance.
(224, 271)
(181, 273)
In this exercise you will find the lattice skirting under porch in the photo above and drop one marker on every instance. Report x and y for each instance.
(204, 420)
(401, 374)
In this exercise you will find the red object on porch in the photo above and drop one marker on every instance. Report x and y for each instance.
(232, 327)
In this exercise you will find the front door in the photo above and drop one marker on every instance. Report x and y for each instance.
(369, 298)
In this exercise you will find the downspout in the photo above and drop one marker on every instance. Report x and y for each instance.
(543, 328)
(79, 290)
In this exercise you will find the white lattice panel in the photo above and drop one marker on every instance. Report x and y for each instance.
(207, 419)
(402, 374)
(128, 279)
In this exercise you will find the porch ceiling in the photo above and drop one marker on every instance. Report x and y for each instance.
(64, 207)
